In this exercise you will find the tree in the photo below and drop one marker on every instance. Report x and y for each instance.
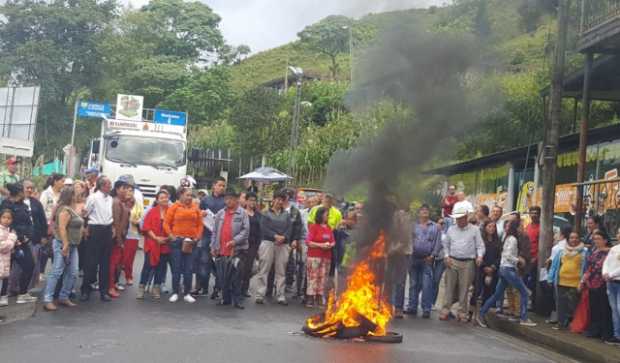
(53, 44)
(206, 96)
(330, 37)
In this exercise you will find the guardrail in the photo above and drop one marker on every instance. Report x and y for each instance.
(597, 12)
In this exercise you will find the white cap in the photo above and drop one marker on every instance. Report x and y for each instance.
(461, 209)
(68, 181)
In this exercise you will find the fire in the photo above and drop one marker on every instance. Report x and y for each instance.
(360, 305)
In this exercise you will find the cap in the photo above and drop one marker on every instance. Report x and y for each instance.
(127, 178)
(11, 160)
(91, 171)
(68, 181)
(203, 191)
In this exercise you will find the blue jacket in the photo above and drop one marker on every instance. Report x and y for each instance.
(426, 242)
(554, 272)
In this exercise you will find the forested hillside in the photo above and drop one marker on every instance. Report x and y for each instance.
(95, 49)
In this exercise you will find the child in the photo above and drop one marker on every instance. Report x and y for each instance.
(7, 242)
(320, 242)
(566, 271)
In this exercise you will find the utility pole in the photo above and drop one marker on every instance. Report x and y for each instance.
(552, 134)
(583, 140)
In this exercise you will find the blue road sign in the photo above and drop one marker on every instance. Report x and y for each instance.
(170, 117)
(94, 109)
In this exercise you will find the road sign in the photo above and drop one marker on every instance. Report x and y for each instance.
(170, 117)
(18, 118)
(93, 109)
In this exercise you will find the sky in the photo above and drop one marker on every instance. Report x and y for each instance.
(265, 24)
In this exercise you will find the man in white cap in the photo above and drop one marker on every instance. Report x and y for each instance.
(464, 249)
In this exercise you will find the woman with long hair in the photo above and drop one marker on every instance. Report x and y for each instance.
(183, 225)
(486, 276)
(120, 224)
(508, 276)
(24, 228)
(156, 246)
(67, 236)
(600, 311)
(133, 237)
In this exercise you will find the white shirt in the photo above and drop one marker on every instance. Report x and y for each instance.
(99, 209)
(611, 266)
(49, 199)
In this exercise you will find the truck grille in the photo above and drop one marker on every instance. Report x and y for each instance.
(147, 190)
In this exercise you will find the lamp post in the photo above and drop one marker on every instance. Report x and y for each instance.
(298, 73)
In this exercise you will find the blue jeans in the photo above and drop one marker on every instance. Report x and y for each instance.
(507, 276)
(181, 265)
(613, 293)
(438, 268)
(68, 266)
(420, 279)
(155, 273)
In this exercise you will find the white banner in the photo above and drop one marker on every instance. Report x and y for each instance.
(129, 107)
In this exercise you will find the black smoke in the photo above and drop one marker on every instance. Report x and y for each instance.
(437, 76)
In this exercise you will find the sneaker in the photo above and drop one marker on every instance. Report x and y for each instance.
(25, 298)
(4, 301)
(140, 293)
(120, 287)
(259, 301)
(612, 341)
(527, 322)
(174, 298)
(426, 315)
(189, 299)
(282, 302)
(482, 321)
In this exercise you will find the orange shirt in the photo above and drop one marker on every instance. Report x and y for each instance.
(183, 221)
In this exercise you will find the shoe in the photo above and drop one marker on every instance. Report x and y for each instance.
(120, 287)
(310, 303)
(426, 315)
(50, 307)
(410, 312)
(174, 298)
(215, 295)
(550, 321)
(4, 301)
(247, 295)
(156, 292)
(25, 298)
(84, 296)
(68, 303)
(527, 322)
(282, 302)
(129, 282)
(259, 301)
(113, 293)
(140, 293)
(106, 298)
(513, 319)
(239, 306)
(612, 341)
(589, 334)
(189, 299)
(95, 286)
(482, 321)
(222, 303)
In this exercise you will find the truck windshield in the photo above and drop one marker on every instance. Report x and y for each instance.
(145, 151)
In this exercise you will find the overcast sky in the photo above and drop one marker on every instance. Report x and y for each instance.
(264, 24)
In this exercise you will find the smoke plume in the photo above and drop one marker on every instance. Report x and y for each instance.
(433, 74)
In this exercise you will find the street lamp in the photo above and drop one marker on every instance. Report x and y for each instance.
(299, 73)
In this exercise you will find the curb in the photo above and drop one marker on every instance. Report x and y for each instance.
(16, 312)
(563, 342)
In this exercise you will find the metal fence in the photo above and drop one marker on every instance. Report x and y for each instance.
(597, 12)
(602, 198)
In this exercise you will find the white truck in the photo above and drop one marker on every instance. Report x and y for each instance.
(154, 153)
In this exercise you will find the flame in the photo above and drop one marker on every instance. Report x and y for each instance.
(362, 298)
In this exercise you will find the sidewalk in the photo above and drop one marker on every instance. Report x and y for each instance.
(564, 342)
(15, 312)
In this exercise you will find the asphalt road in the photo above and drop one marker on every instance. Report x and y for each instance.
(128, 330)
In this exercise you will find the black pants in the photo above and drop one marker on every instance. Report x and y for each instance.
(249, 265)
(97, 253)
(600, 314)
(233, 280)
(23, 257)
(568, 297)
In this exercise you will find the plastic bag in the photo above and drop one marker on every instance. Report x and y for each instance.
(581, 318)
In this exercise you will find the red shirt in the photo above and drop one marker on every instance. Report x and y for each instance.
(226, 234)
(320, 234)
(448, 203)
(533, 232)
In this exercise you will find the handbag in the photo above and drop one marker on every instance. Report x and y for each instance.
(581, 317)
(187, 246)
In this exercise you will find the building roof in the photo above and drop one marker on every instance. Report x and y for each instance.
(519, 154)
(604, 81)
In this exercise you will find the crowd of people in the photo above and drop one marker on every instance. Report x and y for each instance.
(463, 261)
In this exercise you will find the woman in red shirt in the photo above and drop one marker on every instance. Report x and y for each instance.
(156, 248)
(320, 242)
